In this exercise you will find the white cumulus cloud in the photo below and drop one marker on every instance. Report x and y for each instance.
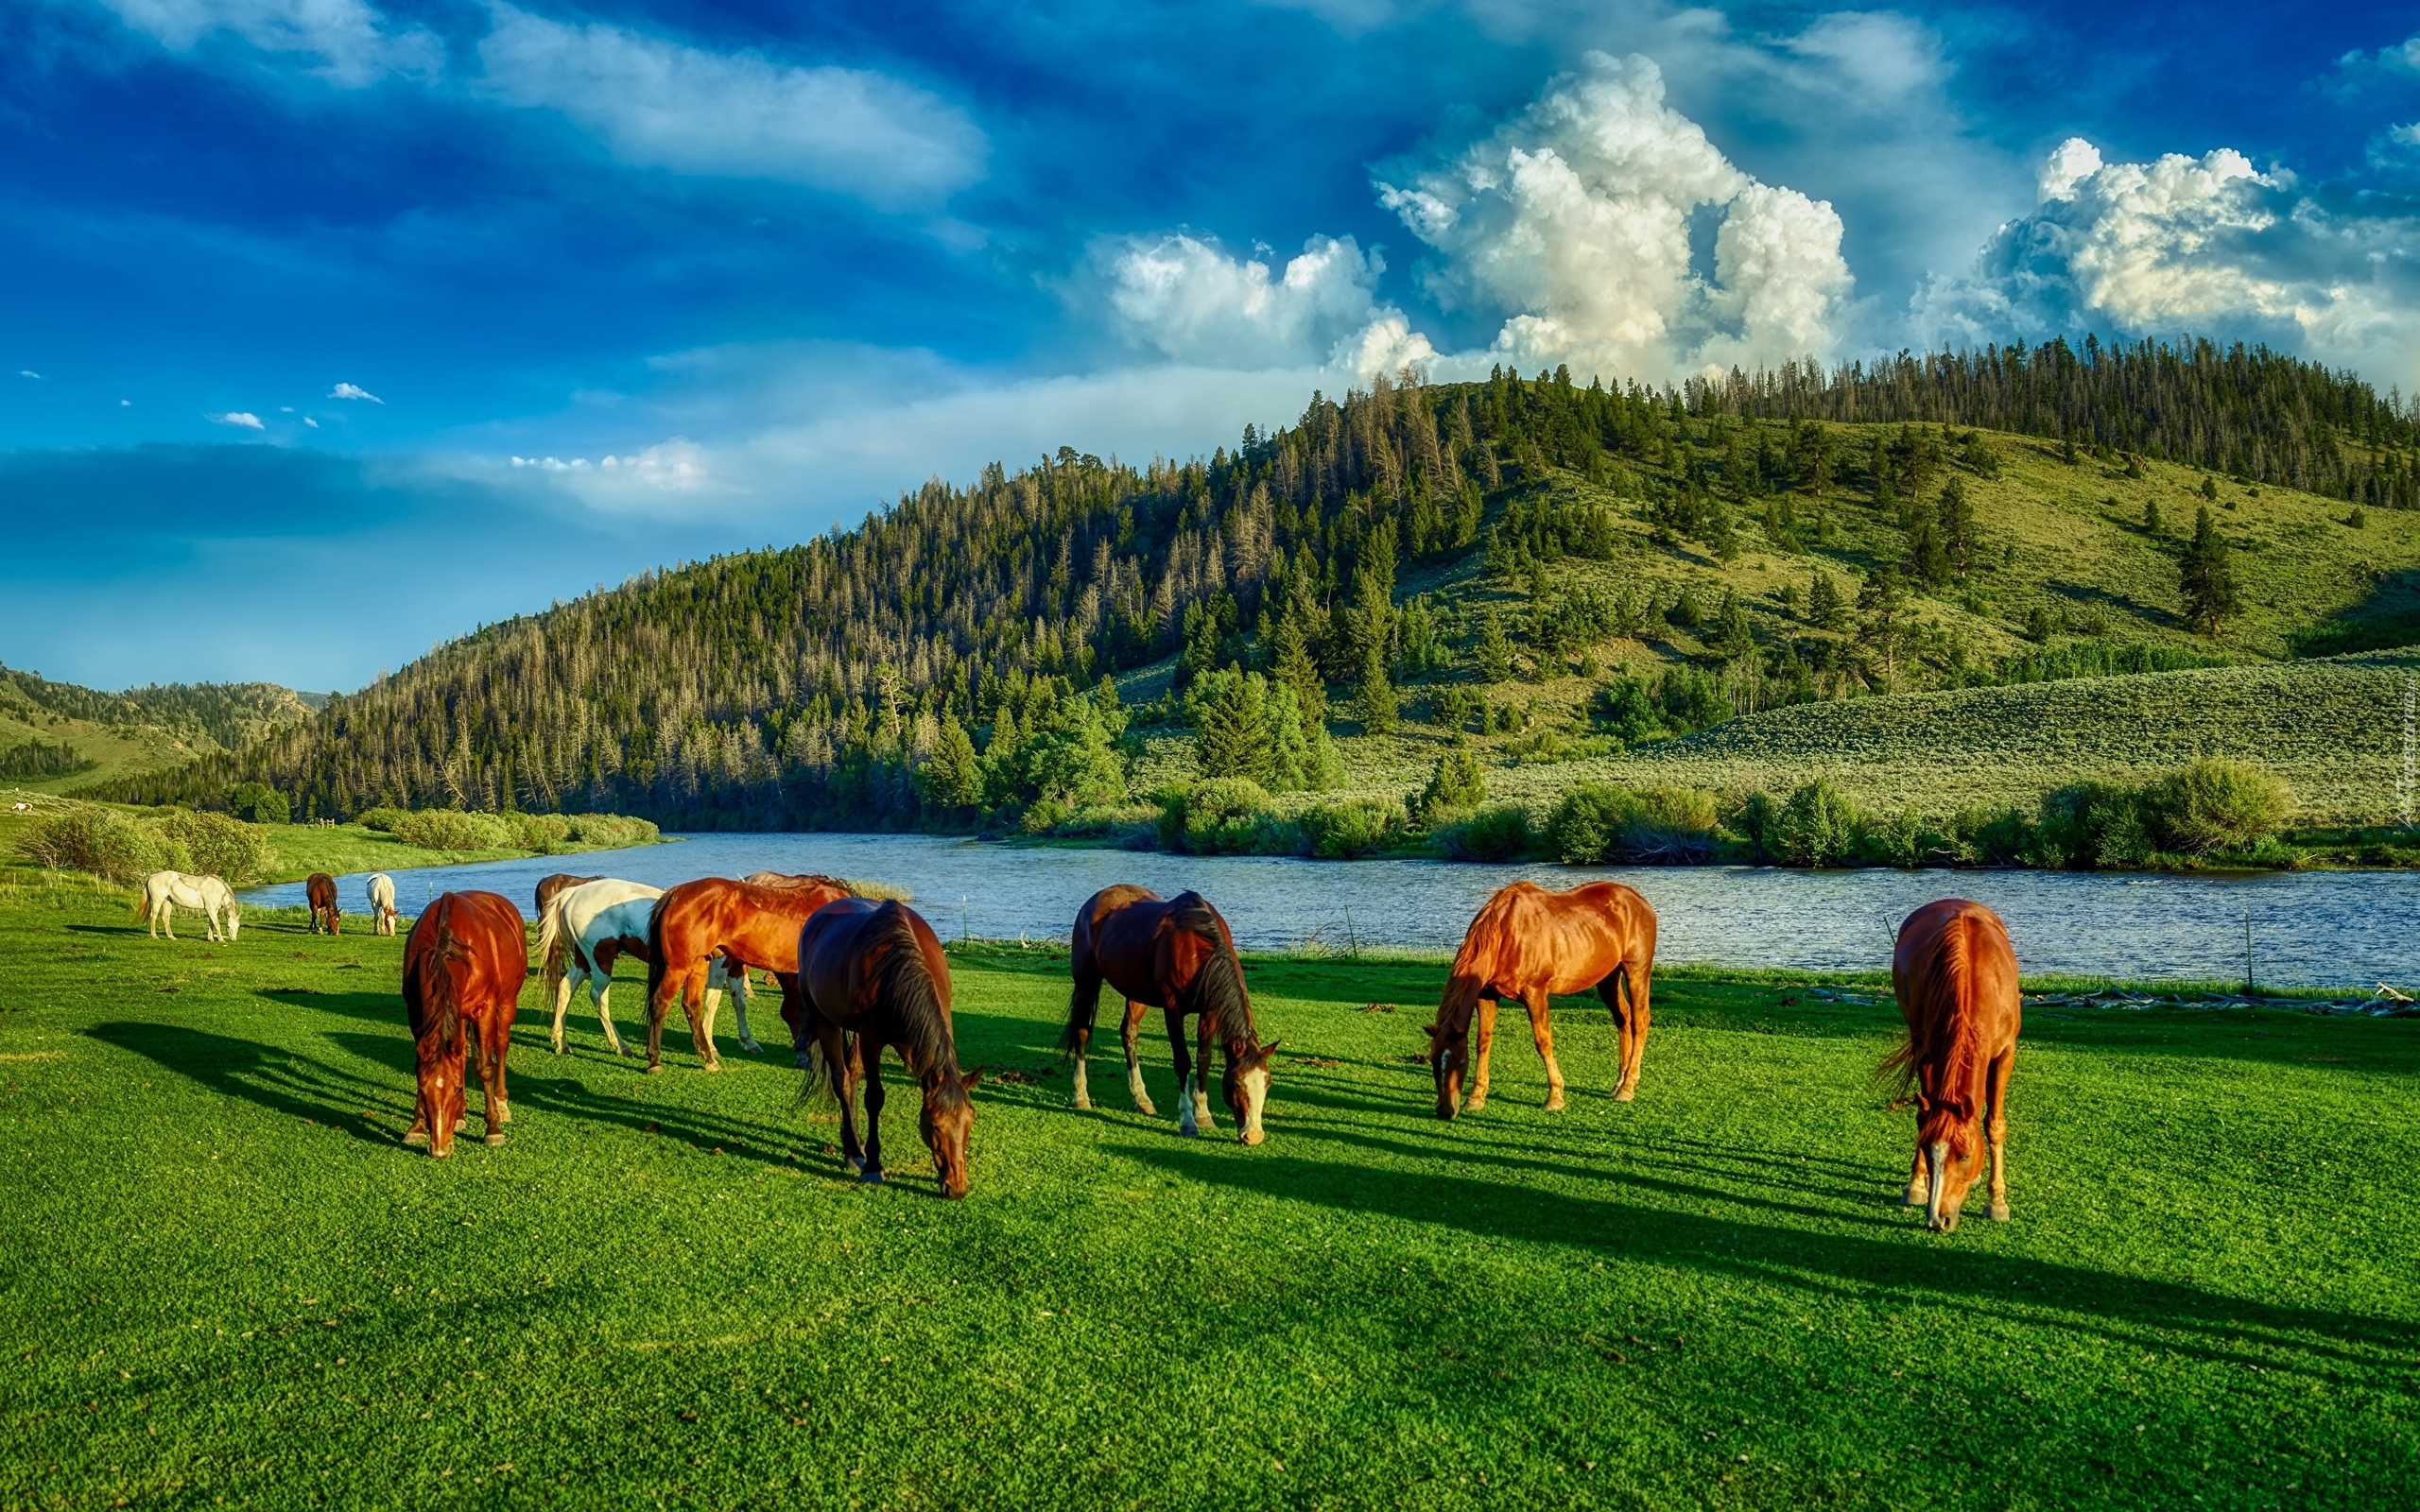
(2211, 243)
(1571, 224)
(353, 43)
(344, 390)
(1197, 303)
(658, 103)
(240, 418)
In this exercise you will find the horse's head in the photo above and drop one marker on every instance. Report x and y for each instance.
(235, 920)
(1449, 1056)
(949, 1118)
(1247, 1086)
(1953, 1147)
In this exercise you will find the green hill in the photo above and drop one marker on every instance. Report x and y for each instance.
(118, 735)
(1798, 552)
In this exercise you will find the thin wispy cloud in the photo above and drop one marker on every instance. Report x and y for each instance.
(27, 372)
(349, 44)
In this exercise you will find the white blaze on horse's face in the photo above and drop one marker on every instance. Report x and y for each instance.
(1253, 1088)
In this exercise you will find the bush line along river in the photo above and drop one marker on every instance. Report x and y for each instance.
(2309, 929)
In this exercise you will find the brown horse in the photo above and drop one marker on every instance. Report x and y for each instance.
(1954, 974)
(463, 967)
(1177, 956)
(561, 882)
(749, 926)
(1527, 943)
(876, 970)
(320, 889)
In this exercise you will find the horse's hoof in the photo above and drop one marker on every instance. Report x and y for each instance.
(494, 1138)
(2000, 1212)
(1624, 1094)
(1475, 1104)
(418, 1136)
(871, 1176)
(1147, 1111)
(1083, 1105)
(1187, 1133)
(461, 1124)
(1554, 1104)
(711, 1065)
(655, 1071)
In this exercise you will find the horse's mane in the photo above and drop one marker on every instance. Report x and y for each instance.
(436, 983)
(1218, 986)
(902, 981)
(1944, 1032)
(798, 880)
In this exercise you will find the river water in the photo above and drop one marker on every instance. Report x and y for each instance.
(2309, 929)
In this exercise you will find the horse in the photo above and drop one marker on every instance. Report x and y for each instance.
(1177, 956)
(749, 924)
(1955, 975)
(1528, 943)
(321, 890)
(591, 926)
(165, 892)
(561, 882)
(877, 971)
(382, 903)
(463, 967)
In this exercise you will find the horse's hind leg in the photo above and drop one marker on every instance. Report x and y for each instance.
(869, 1073)
(1486, 1042)
(495, 1111)
(1126, 1035)
(1999, 1088)
(701, 1020)
(1542, 1031)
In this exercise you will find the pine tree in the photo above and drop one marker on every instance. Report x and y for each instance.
(1957, 517)
(1734, 637)
(1824, 606)
(1294, 667)
(1494, 649)
(1884, 603)
(1231, 725)
(953, 777)
(2205, 578)
(1373, 701)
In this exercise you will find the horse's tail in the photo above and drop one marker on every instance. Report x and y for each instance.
(550, 938)
(655, 965)
(1218, 987)
(143, 902)
(902, 980)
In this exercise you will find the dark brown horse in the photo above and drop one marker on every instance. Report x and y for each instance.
(1527, 943)
(320, 889)
(1177, 956)
(1954, 974)
(561, 882)
(463, 967)
(749, 926)
(876, 970)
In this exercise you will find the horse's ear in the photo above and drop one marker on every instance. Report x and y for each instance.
(971, 1080)
(1270, 1048)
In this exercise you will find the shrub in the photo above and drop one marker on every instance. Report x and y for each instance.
(100, 841)
(381, 818)
(217, 846)
(452, 830)
(1230, 816)
(1459, 783)
(2216, 804)
(1814, 828)
(2091, 824)
(1355, 827)
(1497, 833)
(259, 803)
(614, 831)
(1654, 825)
(543, 832)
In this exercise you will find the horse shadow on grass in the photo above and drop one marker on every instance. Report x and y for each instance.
(2120, 1309)
(283, 1081)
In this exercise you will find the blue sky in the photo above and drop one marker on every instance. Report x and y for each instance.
(338, 327)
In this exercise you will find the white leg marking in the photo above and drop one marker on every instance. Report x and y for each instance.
(1186, 1119)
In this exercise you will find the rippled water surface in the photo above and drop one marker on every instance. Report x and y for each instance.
(2309, 929)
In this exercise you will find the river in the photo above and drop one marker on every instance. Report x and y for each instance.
(2309, 929)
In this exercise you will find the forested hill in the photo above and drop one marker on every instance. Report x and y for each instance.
(838, 682)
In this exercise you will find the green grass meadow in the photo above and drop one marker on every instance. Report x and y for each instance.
(226, 1282)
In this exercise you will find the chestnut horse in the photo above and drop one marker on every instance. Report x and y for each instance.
(463, 967)
(320, 889)
(1954, 974)
(748, 924)
(586, 929)
(1527, 943)
(876, 970)
(1177, 956)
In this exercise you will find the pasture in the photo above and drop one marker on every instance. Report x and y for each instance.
(226, 1281)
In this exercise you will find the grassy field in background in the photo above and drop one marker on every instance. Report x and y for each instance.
(225, 1280)
(116, 751)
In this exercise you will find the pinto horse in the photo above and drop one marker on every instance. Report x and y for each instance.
(321, 890)
(876, 970)
(1528, 943)
(586, 929)
(463, 967)
(748, 925)
(561, 882)
(1955, 975)
(1177, 956)
(382, 902)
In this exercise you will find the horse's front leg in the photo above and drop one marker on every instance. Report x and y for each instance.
(1998, 1129)
(1486, 1017)
(738, 980)
(1206, 1033)
(1189, 1115)
(1129, 1035)
(1542, 1031)
(1919, 1178)
(870, 1072)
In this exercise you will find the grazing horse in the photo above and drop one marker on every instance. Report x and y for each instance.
(1527, 943)
(589, 927)
(165, 892)
(321, 890)
(1954, 974)
(382, 903)
(876, 970)
(561, 882)
(1177, 956)
(748, 924)
(463, 967)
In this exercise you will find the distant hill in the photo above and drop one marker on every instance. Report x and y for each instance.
(142, 730)
(1671, 547)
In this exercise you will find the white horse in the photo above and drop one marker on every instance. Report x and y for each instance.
(382, 903)
(165, 892)
(588, 927)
